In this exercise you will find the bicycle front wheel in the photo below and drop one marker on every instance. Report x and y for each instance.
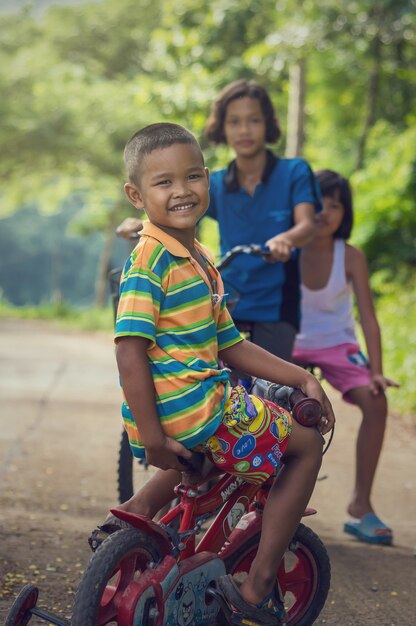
(304, 574)
(121, 558)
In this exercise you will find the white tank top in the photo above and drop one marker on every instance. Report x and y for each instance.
(327, 314)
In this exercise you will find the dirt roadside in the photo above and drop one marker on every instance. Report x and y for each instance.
(60, 428)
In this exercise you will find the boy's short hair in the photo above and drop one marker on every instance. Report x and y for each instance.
(214, 128)
(331, 182)
(153, 137)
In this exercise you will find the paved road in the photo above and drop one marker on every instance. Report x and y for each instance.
(59, 403)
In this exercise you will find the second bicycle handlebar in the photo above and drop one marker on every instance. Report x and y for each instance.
(251, 248)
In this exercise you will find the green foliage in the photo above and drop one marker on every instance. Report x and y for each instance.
(62, 313)
(385, 192)
(208, 234)
(42, 261)
(399, 342)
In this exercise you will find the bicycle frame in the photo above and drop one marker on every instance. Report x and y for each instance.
(231, 497)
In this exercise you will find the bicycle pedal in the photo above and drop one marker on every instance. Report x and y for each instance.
(222, 602)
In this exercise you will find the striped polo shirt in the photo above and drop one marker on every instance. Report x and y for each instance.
(166, 297)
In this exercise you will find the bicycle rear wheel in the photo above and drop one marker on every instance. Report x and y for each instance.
(304, 575)
(128, 470)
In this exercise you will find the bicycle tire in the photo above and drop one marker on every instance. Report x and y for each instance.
(19, 613)
(125, 469)
(312, 569)
(119, 559)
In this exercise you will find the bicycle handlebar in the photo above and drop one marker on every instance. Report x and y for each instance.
(251, 248)
(306, 411)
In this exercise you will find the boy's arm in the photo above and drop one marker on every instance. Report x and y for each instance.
(296, 237)
(138, 387)
(357, 270)
(257, 362)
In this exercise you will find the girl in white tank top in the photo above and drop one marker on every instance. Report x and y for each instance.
(332, 273)
(327, 318)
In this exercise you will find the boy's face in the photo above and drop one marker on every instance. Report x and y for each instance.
(173, 187)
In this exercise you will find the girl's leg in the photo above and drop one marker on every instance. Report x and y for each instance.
(285, 505)
(368, 448)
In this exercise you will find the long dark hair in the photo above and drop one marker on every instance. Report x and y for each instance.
(331, 184)
(214, 128)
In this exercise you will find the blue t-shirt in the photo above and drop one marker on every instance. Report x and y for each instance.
(268, 292)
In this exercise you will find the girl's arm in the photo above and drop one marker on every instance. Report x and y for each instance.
(257, 362)
(297, 236)
(357, 272)
(139, 391)
(129, 227)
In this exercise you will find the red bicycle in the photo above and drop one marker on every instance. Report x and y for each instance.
(157, 574)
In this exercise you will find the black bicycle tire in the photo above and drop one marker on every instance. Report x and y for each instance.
(125, 469)
(16, 611)
(101, 567)
(305, 536)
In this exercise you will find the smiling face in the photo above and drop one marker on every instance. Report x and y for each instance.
(172, 188)
(245, 126)
(330, 218)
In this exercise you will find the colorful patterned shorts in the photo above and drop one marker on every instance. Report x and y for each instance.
(251, 438)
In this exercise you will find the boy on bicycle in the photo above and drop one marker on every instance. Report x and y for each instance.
(172, 333)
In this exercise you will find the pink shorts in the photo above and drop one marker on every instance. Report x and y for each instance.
(345, 367)
(251, 438)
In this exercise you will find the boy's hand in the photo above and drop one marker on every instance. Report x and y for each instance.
(165, 454)
(313, 389)
(380, 383)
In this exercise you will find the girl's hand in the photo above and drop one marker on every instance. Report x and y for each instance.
(280, 249)
(129, 227)
(379, 383)
(313, 389)
(165, 454)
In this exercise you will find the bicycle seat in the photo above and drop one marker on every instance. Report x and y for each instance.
(197, 464)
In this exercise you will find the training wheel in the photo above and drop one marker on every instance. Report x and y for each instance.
(20, 612)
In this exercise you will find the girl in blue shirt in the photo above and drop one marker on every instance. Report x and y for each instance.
(262, 199)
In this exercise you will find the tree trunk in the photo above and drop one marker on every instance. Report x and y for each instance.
(104, 260)
(296, 109)
(372, 98)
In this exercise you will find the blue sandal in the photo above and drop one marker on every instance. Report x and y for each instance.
(367, 530)
(270, 612)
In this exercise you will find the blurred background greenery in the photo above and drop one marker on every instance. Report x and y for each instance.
(78, 78)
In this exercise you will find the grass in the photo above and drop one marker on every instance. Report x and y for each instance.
(91, 319)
